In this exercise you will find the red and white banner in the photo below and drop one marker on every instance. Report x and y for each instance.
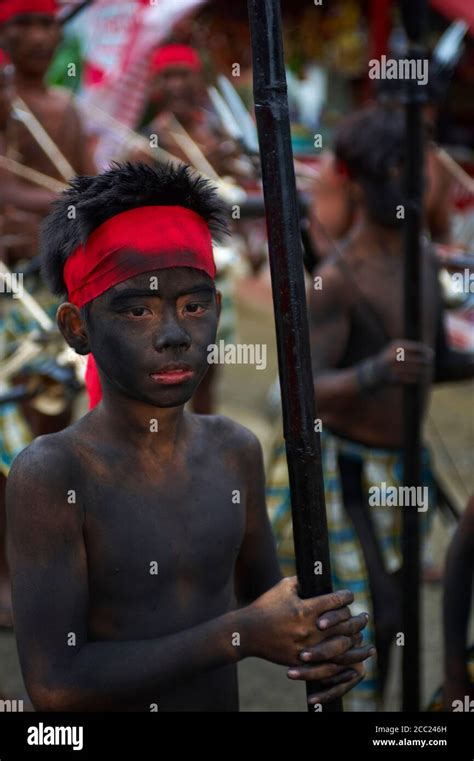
(119, 37)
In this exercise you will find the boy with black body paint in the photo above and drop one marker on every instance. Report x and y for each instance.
(129, 555)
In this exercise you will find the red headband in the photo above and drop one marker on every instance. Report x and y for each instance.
(175, 55)
(165, 236)
(11, 8)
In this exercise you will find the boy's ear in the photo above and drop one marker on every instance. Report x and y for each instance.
(73, 327)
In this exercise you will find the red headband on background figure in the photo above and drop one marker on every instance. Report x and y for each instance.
(175, 55)
(11, 8)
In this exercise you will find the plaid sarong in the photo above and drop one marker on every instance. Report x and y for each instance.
(348, 566)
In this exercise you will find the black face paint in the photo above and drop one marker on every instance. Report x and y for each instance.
(138, 334)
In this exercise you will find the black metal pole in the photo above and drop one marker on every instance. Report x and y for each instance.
(303, 446)
(413, 12)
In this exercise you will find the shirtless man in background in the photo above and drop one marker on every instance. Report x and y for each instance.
(356, 323)
(30, 40)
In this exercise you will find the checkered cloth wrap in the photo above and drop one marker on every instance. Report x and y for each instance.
(348, 564)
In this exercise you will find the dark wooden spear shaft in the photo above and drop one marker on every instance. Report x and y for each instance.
(413, 12)
(303, 447)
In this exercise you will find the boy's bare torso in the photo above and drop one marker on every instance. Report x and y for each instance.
(161, 540)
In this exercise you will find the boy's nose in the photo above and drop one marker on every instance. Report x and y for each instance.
(171, 336)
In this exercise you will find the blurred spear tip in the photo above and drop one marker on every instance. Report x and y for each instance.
(449, 46)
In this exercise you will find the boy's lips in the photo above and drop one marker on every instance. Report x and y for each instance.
(176, 372)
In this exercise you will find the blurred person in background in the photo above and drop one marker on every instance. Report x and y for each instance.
(29, 36)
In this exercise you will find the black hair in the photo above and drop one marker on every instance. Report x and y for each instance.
(91, 200)
(371, 142)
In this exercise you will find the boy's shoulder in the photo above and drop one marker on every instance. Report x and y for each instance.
(227, 433)
(40, 496)
(47, 458)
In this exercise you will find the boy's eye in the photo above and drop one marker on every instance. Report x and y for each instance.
(136, 311)
(195, 308)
